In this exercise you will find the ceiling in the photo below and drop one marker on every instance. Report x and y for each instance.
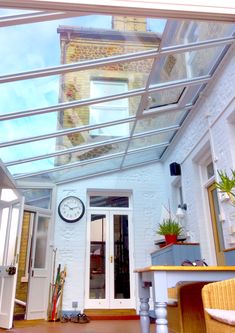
(88, 95)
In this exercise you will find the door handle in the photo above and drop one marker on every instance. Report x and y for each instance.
(111, 259)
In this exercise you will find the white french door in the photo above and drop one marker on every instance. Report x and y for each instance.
(38, 288)
(110, 260)
(10, 232)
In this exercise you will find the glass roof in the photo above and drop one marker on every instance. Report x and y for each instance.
(88, 95)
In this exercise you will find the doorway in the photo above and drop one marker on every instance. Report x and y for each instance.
(110, 260)
(216, 224)
(33, 278)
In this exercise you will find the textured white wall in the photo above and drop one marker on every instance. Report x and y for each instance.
(192, 146)
(149, 193)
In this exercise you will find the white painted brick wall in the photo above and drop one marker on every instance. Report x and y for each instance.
(147, 185)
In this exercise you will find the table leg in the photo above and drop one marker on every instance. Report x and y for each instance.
(144, 315)
(161, 317)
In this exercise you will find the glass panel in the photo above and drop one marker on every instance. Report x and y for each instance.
(8, 195)
(3, 233)
(13, 11)
(160, 120)
(184, 32)
(41, 242)
(210, 170)
(44, 92)
(186, 65)
(79, 171)
(112, 37)
(40, 197)
(165, 97)
(110, 201)
(97, 256)
(149, 155)
(13, 236)
(75, 140)
(218, 223)
(150, 140)
(121, 257)
(43, 124)
(68, 159)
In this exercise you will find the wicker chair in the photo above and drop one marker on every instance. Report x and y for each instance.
(187, 314)
(219, 295)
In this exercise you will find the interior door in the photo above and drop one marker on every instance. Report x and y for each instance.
(38, 288)
(110, 261)
(216, 225)
(10, 231)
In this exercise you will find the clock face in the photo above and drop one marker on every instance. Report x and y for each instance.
(71, 209)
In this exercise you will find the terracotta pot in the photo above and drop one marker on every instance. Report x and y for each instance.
(171, 239)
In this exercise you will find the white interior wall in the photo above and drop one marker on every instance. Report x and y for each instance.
(196, 142)
(149, 193)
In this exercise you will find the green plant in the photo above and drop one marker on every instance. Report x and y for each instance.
(169, 227)
(227, 184)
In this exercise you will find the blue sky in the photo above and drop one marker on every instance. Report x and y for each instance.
(27, 47)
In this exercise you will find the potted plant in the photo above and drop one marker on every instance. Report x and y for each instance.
(171, 229)
(227, 185)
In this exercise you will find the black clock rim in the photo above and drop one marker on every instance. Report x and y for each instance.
(78, 218)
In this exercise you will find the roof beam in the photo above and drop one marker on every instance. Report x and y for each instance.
(216, 10)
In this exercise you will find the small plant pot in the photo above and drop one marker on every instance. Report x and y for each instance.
(171, 239)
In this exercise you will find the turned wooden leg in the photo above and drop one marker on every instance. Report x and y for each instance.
(161, 317)
(144, 315)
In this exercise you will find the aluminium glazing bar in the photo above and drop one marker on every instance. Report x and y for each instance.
(78, 66)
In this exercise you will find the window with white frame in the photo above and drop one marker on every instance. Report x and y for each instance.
(109, 111)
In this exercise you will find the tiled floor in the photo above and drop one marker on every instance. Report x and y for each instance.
(96, 326)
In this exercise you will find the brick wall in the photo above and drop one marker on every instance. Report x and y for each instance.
(22, 287)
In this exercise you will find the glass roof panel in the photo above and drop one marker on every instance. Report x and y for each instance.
(14, 11)
(146, 141)
(75, 172)
(73, 142)
(145, 156)
(78, 35)
(159, 120)
(73, 88)
(72, 118)
(76, 86)
(186, 65)
(179, 32)
(50, 163)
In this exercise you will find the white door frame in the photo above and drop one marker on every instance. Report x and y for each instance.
(109, 303)
(8, 282)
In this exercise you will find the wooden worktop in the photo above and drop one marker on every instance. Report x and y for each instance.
(184, 268)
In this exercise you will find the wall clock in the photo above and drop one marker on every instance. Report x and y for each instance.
(71, 209)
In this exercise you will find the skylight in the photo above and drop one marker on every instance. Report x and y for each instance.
(93, 94)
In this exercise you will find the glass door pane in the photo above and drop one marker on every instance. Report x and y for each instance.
(97, 256)
(41, 242)
(3, 233)
(121, 257)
